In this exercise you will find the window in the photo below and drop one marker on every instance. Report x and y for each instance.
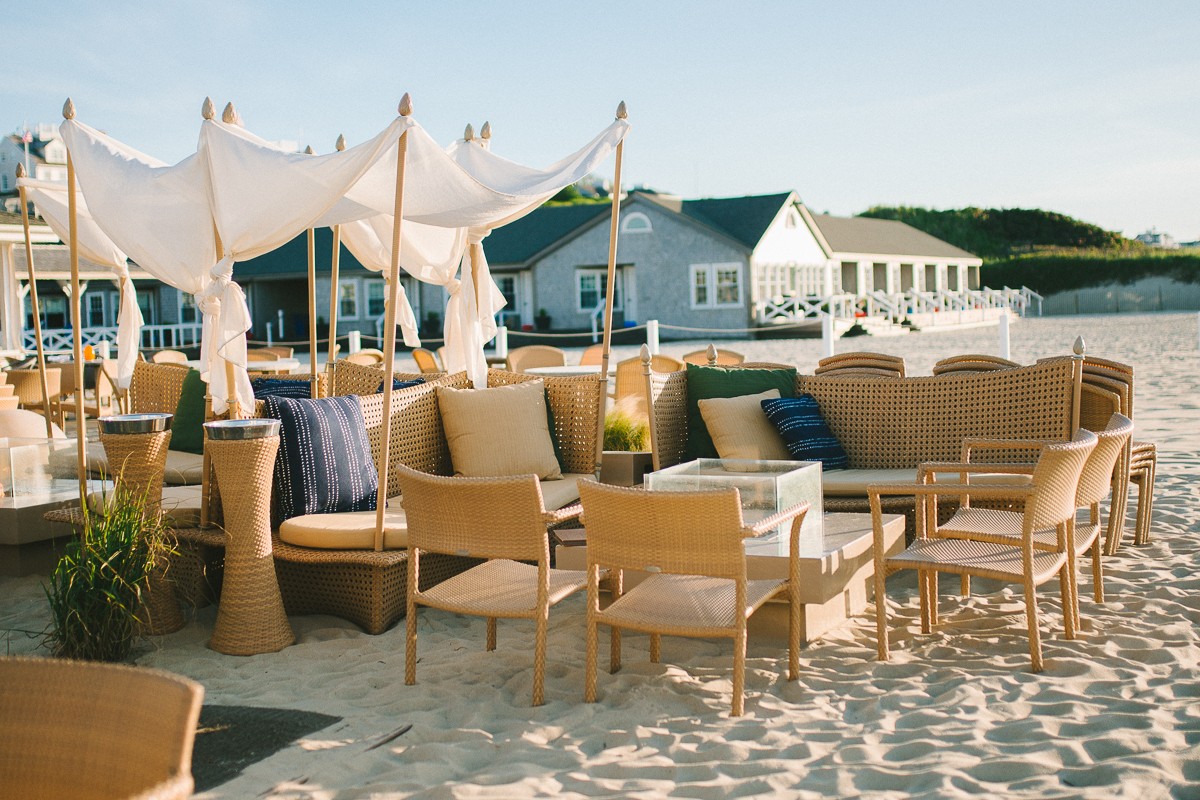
(376, 297)
(188, 314)
(145, 300)
(716, 285)
(348, 299)
(636, 222)
(95, 310)
(590, 286)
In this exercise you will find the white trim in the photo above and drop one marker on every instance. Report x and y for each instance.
(710, 271)
(631, 222)
(601, 274)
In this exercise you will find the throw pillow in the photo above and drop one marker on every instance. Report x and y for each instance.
(709, 382)
(279, 387)
(324, 463)
(398, 384)
(740, 429)
(187, 428)
(498, 432)
(805, 432)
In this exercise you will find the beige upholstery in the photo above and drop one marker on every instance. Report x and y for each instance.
(692, 544)
(498, 432)
(18, 423)
(180, 504)
(740, 429)
(444, 517)
(347, 530)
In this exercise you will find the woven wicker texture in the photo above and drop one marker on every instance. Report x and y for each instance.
(155, 388)
(444, 517)
(885, 365)
(250, 618)
(629, 380)
(88, 730)
(972, 362)
(981, 559)
(692, 545)
(426, 360)
(364, 379)
(668, 417)
(535, 355)
(27, 386)
(575, 405)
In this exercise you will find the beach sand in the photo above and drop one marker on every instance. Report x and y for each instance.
(953, 714)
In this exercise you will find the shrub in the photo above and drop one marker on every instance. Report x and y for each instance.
(624, 432)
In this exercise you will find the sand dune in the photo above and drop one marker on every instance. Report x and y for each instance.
(953, 714)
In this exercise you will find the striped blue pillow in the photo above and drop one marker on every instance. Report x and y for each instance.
(278, 387)
(324, 463)
(805, 432)
(398, 384)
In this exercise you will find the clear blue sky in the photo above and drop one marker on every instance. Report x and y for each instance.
(1088, 108)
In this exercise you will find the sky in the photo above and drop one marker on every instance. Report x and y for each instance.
(1088, 108)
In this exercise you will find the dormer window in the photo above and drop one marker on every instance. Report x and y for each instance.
(636, 222)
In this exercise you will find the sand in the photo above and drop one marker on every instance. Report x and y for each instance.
(953, 714)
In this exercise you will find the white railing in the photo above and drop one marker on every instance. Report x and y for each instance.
(154, 337)
(894, 306)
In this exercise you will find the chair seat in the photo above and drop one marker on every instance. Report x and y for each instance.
(501, 588)
(347, 530)
(984, 559)
(690, 604)
(1004, 527)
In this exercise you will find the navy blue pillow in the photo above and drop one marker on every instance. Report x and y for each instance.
(324, 463)
(805, 432)
(398, 384)
(277, 387)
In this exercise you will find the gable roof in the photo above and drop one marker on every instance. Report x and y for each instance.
(520, 241)
(883, 237)
(744, 219)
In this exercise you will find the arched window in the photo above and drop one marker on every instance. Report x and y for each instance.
(636, 222)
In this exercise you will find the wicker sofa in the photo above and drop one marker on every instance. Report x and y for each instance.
(888, 426)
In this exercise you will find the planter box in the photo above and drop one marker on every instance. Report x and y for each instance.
(621, 468)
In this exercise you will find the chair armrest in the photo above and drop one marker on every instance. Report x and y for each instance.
(930, 467)
(934, 489)
(1003, 444)
(573, 511)
(775, 520)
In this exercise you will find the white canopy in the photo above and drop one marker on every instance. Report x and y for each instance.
(94, 245)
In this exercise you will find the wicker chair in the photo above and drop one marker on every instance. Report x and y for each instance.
(169, 357)
(444, 517)
(972, 362)
(366, 357)
(1048, 516)
(711, 356)
(427, 361)
(98, 400)
(535, 355)
(279, 351)
(862, 364)
(591, 356)
(27, 388)
(630, 378)
(691, 543)
(87, 730)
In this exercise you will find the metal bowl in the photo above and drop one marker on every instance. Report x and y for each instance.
(238, 429)
(136, 423)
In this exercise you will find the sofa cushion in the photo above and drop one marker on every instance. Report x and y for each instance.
(180, 505)
(324, 463)
(713, 382)
(182, 469)
(498, 432)
(187, 428)
(740, 429)
(805, 432)
(562, 491)
(347, 530)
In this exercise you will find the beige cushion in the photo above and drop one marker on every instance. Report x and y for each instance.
(347, 530)
(561, 492)
(740, 429)
(498, 432)
(182, 469)
(854, 482)
(181, 505)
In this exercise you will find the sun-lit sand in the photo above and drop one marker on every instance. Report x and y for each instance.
(956, 713)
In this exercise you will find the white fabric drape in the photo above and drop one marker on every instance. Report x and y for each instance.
(52, 203)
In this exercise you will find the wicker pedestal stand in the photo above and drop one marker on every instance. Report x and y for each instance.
(250, 617)
(136, 448)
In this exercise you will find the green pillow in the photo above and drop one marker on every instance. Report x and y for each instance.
(187, 429)
(704, 383)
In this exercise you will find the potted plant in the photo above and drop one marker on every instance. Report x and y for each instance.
(541, 320)
(626, 459)
(97, 589)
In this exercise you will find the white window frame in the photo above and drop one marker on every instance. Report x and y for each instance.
(710, 272)
(636, 222)
(601, 274)
(342, 298)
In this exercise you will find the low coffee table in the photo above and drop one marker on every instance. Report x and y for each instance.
(835, 583)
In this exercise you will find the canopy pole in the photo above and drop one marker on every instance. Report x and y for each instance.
(333, 292)
(389, 335)
(610, 289)
(76, 318)
(312, 306)
(228, 116)
(33, 300)
(207, 111)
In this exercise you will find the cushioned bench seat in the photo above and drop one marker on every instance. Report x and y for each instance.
(183, 469)
(180, 504)
(854, 482)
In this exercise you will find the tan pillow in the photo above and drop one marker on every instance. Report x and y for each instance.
(498, 432)
(740, 429)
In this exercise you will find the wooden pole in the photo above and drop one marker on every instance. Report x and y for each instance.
(230, 117)
(33, 300)
(389, 335)
(312, 307)
(610, 289)
(333, 291)
(76, 318)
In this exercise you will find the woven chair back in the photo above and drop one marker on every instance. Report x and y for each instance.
(363, 379)
(1056, 481)
(426, 360)
(851, 360)
(972, 362)
(1097, 405)
(592, 356)
(478, 517)
(89, 730)
(156, 388)
(169, 357)
(630, 374)
(27, 386)
(368, 357)
(574, 403)
(681, 533)
(1096, 480)
(535, 355)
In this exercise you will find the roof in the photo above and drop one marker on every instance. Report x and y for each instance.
(291, 260)
(744, 219)
(520, 241)
(884, 237)
(53, 262)
(37, 147)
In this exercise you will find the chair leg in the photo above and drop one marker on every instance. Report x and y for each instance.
(739, 670)
(1068, 605)
(539, 657)
(881, 613)
(491, 634)
(934, 619)
(589, 671)
(1146, 503)
(1097, 572)
(614, 649)
(410, 619)
(655, 648)
(923, 594)
(794, 631)
(965, 583)
(1031, 618)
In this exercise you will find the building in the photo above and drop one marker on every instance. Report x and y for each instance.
(1154, 238)
(40, 150)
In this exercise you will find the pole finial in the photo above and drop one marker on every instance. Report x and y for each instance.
(622, 112)
(406, 106)
(1080, 347)
(308, 151)
(69, 109)
(711, 354)
(340, 144)
(486, 133)
(229, 115)
(20, 170)
(469, 133)
(645, 355)
(208, 110)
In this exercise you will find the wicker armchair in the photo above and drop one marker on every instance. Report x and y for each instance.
(535, 355)
(426, 360)
(169, 357)
(862, 363)
(27, 388)
(630, 380)
(592, 355)
(971, 362)
(1048, 516)
(87, 730)
(444, 517)
(368, 356)
(691, 543)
